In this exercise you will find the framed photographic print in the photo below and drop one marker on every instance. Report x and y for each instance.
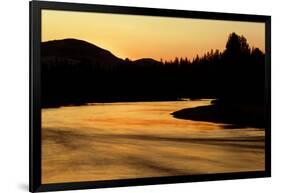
(126, 96)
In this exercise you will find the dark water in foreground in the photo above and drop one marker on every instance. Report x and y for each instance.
(141, 139)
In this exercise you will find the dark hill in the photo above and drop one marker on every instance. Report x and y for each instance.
(147, 62)
(76, 51)
(77, 72)
(73, 51)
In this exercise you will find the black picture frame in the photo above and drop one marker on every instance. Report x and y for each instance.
(35, 184)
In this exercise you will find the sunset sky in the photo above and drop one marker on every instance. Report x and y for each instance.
(134, 37)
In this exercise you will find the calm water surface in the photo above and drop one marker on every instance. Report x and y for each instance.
(104, 141)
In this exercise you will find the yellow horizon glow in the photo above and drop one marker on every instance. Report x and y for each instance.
(138, 36)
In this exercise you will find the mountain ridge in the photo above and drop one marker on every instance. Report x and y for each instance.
(78, 50)
(83, 51)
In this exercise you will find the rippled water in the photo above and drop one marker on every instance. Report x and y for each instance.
(141, 139)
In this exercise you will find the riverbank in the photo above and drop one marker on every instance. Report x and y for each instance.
(237, 116)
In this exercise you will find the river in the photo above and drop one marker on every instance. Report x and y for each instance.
(105, 141)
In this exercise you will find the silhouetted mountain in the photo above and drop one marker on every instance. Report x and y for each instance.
(75, 51)
(147, 62)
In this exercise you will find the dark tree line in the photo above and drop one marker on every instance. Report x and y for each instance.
(235, 74)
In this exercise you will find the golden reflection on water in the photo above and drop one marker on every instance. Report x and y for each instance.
(104, 141)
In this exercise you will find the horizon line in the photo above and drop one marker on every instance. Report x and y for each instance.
(159, 60)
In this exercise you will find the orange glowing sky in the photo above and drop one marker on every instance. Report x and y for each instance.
(148, 36)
